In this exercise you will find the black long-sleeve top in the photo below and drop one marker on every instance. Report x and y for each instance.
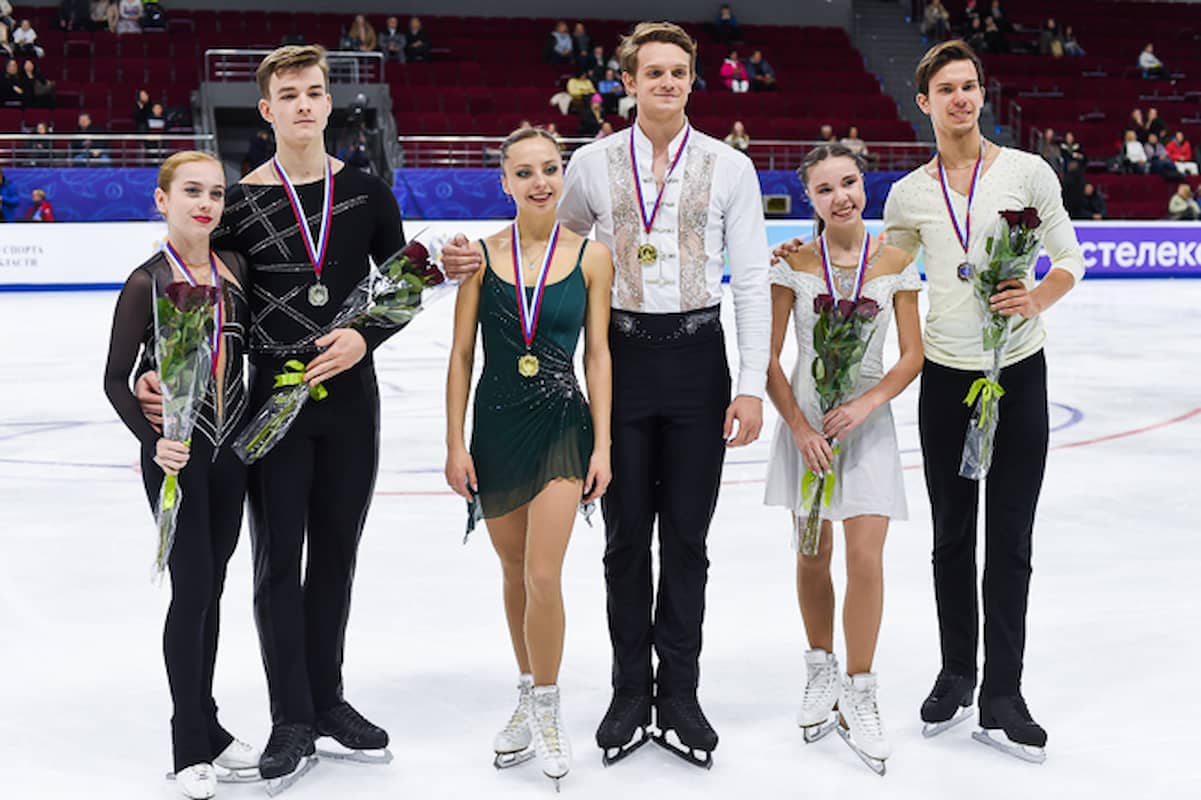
(132, 341)
(259, 223)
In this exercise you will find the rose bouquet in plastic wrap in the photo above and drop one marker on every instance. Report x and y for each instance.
(1008, 253)
(390, 297)
(840, 338)
(184, 328)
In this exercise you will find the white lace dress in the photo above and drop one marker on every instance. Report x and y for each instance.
(869, 461)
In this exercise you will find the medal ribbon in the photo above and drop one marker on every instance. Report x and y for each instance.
(316, 250)
(529, 313)
(648, 224)
(862, 268)
(964, 235)
(218, 310)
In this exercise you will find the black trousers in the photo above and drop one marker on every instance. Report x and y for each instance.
(1010, 495)
(310, 496)
(671, 388)
(206, 533)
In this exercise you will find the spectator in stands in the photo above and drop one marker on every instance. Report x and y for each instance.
(856, 145)
(25, 41)
(999, 17)
(1137, 124)
(1048, 148)
(738, 138)
(606, 129)
(156, 120)
(936, 21)
(581, 43)
(259, 150)
(392, 41)
(38, 89)
(141, 110)
(595, 64)
(11, 90)
(1150, 64)
(360, 36)
(40, 151)
(6, 42)
(73, 15)
(975, 35)
(1180, 150)
(592, 117)
(40, 209)
(417, 41)
(1158, 161)
(611, 91)
(763, 77)
(826, 134)
(581, 89)
(1070, 45)
(89, 151)
(103, 15)
(725, 27)
(1050, 39)
(733, 74)
(6, 14)
(1093, 206)
(994, 38)
(1155, 125)
(971, 11)
(153, 17)
(559, 46)
(1135, 154)
(129, 16)
(1071, 152)
(8, 198)
(1183, 206)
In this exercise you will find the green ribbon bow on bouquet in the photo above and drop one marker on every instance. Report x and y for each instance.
(293, 374)
(989, 392)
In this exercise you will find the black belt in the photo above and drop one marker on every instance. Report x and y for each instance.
(687, 327)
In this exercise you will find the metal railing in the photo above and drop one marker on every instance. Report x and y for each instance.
(238, 65)
(454, 152)
(98, 150)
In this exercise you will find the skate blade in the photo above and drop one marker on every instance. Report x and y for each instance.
(1026, 752)
(815, 733)
(611, 755)
(226, 775)
(683, 751)
(508, 760)
(337, 752)
(932, 729)
(876, 765)
(276, 786)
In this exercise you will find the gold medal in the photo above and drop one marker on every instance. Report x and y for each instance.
(647, 254)
(527, 365)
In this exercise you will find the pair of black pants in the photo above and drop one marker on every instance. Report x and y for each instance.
(317, 481)
(671, 388)
(1010, 495)
(206, 534)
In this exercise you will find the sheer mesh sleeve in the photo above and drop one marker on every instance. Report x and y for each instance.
(131, 332)
(386, 239)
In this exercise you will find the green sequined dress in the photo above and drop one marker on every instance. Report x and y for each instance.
(529, 431)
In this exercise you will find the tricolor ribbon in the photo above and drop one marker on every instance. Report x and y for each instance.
(316, 250)
(648, 224)
(964, 234)
(218, 312)
(529, 310)
(861, 269)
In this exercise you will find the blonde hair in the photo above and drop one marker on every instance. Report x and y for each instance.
(166, 173)
(289, 57)
(645, 32)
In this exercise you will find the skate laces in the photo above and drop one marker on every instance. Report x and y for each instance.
(867, 713)
(520, 719)
(549, 726)
(818, 684)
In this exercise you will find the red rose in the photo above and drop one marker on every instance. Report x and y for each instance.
(1030, 219)
(846, 309)
(1012, 218)
(189, 298)
(415, 251)
(823, 303)
(867, 308)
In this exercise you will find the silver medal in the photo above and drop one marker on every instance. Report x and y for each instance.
(318, 295)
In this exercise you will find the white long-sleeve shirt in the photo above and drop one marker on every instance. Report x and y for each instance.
(711, 207)
(915, 216)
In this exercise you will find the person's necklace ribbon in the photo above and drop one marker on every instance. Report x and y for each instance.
(528, 311)
(218, 309)
(964, 233)
(647, 253)
(318, 293)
